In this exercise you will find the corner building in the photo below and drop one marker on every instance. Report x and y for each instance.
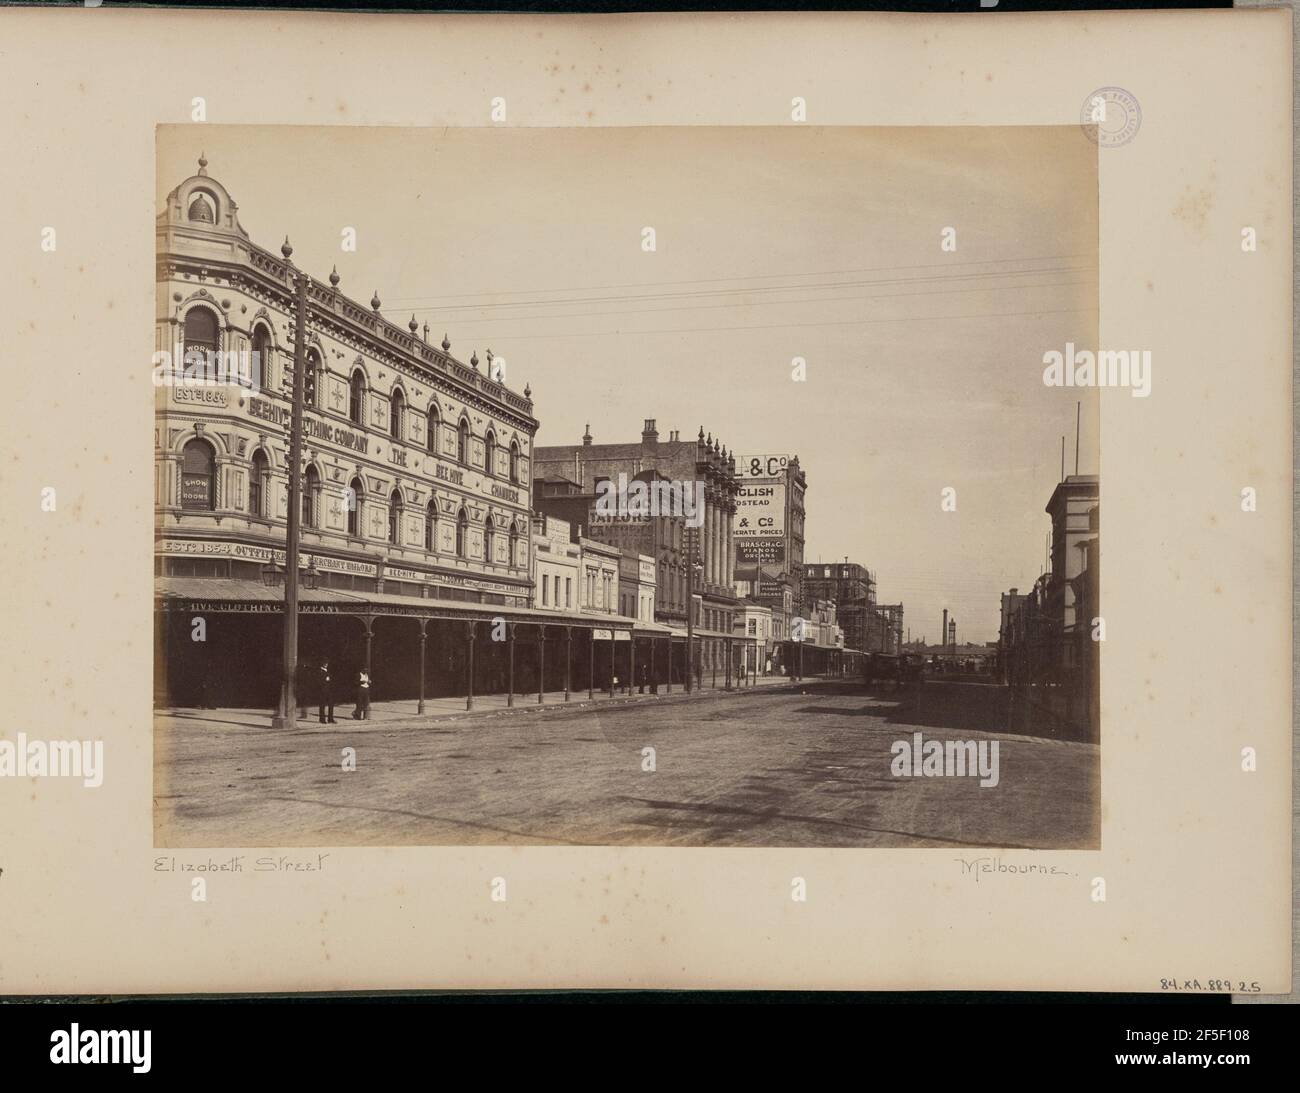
(416, 471)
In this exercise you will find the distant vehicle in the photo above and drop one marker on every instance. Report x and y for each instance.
(891, 667)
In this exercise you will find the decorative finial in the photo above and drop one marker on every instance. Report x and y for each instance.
(374, 300)
(285, 249)
(446, 345)
(528, 391)
(334, 277)
(412, 326)
(701, 432)
(473, 360)
(426, 333)
(489, 356)
(203, 164)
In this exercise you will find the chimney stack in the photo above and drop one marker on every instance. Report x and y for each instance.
(943, 634)
(650, 437)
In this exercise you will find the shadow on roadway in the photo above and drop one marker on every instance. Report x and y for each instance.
(960, 707)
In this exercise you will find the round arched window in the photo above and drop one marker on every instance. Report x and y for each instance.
(257, 479)
(259, 366)
(198, 476)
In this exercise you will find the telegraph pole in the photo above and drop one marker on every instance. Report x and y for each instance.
(287, 716)
(690, 605)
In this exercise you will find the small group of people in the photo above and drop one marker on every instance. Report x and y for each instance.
(316, 688)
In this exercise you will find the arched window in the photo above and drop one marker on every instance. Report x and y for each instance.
(356, 395)
(514, 463)
(490, 453)
(198, 476)
(311, 497)
(395, 517)
(435, 419)
(202, 340)
(259, 367)
(309, 380)
(514, 545)
(395, 407)
(462, 440)
(489, 541)
(431, 527)
(356, 493)
(257, 479)
(462, 533)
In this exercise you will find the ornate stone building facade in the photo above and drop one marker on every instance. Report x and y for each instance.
(416, 464)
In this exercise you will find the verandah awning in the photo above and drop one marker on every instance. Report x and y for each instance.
(202, 595)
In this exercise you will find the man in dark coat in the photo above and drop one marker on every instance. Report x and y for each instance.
(325, 684)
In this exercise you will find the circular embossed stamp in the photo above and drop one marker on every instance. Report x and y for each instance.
(1114, 112)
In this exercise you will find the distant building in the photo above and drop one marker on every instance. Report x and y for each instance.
(636, 586)
(754, 629)
(557, 562)
(568, 479)
(599, 577)
(1046, 650)
(869, 627)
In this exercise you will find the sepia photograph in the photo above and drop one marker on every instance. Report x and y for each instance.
(643, 486)
(624, 524)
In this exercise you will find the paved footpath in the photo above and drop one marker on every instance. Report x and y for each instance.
(776, 765)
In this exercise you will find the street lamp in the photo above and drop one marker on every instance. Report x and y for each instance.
(273, 575)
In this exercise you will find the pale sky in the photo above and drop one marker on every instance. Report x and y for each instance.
(924, 367)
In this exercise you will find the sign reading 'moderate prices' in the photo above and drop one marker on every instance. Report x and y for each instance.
(760, 511)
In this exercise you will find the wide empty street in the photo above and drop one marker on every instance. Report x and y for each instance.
(757, 768)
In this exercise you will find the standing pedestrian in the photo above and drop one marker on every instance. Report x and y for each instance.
(325, 685)
(363, 696)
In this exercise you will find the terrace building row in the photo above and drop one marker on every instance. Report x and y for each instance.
(417, 525)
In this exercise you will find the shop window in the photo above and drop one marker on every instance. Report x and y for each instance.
(431, 527)
(257, 482)
(311, 498)
(395, 518)
(198, 476)
(356, 492)
(395, 407)
(356, 398)
(259, 366)
(462, 441)
(435, 420)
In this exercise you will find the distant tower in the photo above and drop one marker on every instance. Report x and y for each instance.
(943, 634)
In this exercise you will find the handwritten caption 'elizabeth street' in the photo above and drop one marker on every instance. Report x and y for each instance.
(273, 863)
